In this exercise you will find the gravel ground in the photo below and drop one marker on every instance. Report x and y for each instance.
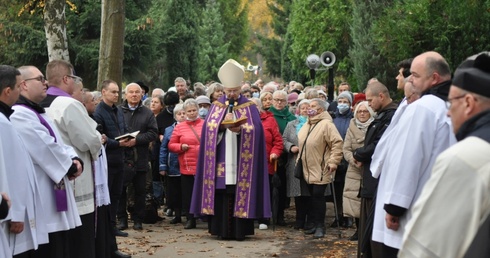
(166, 240)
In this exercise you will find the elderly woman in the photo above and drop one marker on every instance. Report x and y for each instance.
(283, 117)
(320, 146)
(354, 139)
(156, 107)
(215, 91)
(185, 142)
(293, 187)
(169, 166)
(343, 117)
(273, 145)
(266, 99)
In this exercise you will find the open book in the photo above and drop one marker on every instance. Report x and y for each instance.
(127, 136)
(234, 123)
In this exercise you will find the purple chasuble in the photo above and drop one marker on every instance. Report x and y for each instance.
(252, 197)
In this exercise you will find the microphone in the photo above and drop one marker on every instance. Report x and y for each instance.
(231, 104)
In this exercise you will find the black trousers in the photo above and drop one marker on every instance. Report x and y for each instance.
(187, 184)
(115, 183)
(105, 240)
(174, 192)
(318, 206)
(138, 212)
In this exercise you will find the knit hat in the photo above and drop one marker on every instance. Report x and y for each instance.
(203, 100)
(346, 95)
(292, 97)
(359, 97)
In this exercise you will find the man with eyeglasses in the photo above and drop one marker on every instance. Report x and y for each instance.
(55, 164)
(457, 195)
(79, 131)
(20, 178)
(420, 133)
(231, 183)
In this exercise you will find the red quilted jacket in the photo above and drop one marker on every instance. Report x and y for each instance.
(184, 134)
(273, 138)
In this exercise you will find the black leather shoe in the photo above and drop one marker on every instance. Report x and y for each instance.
(118, 254)
(310, 231)
(138, 226)
(319, 233)
(354, 237)
(191, 223)
(123, 224)
(348, 222)
(336, 223)
(281, 222)
(120, 233)
(169, 213)
(176, 220)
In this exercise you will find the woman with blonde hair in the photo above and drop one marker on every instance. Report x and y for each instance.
(215, 90)
(363, 116)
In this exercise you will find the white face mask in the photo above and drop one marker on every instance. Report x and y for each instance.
(343, 108)
(203, 112)
(255, 95)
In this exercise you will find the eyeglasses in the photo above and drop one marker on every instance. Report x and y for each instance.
(363, 111)
(39, 78)
(280, 100)
(292, 104)
(75, 78)
(449, 101)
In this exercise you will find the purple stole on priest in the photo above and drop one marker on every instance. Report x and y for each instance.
(251, 199)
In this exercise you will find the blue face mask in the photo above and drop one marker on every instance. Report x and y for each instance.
(203, 112)
(343, 108)
(255, 95)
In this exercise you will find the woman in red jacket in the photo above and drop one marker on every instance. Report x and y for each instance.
(273, 143)
(185, 141)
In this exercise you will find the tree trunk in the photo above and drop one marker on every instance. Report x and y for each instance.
(55, 28)
(111, 53)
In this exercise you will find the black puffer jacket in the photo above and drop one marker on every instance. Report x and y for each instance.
(141, 119)
(112, 123)
(364, 154)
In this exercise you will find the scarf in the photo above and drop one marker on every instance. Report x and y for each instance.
(363, 126)
(302, 120)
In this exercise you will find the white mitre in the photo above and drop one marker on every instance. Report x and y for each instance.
(231, 74)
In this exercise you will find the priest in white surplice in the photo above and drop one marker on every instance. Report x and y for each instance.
(24, 233)
(456, 199)
(54, 162)
(78, 131)
(422, 132)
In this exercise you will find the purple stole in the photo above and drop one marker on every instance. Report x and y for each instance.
(250, 163)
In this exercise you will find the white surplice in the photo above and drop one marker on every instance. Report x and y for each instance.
(4, 243)
(453, 204)
(78, 130)
(27, 204)
(422, 132)
(51, 161)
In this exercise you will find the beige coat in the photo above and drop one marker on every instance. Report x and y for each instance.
(323, 148)
(353, 139)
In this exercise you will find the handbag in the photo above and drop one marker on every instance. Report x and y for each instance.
(298, 169)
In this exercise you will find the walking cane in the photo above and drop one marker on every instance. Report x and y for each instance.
(335, 207)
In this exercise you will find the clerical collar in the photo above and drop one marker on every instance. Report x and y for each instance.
(6, 110)
(36, 107)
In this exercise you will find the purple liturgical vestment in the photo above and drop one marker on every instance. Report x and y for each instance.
(252, 198)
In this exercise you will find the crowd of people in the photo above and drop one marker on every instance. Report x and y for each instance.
(76, 167)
